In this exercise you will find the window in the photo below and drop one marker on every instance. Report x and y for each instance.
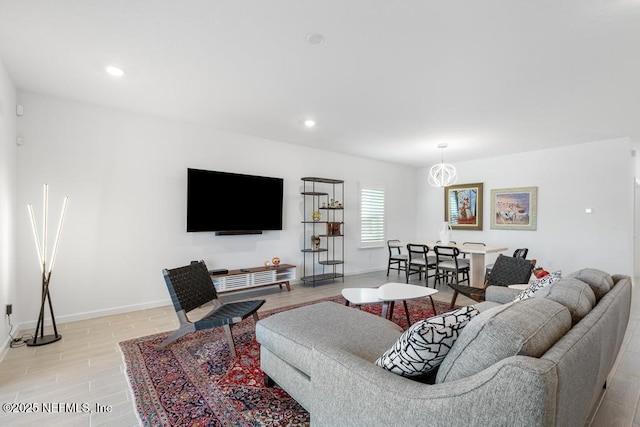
(371, 217)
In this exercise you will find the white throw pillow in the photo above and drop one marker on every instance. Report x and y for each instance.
(537, 285)
(423, 346)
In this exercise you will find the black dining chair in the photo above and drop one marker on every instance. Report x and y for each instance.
(420, 262)
(450, 268)
(397, 260)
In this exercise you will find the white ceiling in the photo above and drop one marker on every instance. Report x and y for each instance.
(391, 81)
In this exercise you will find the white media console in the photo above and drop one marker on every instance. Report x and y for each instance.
(246, 278)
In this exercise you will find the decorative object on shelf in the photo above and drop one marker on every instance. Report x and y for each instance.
(41, 246)
(333, 229)
(315, 242)
(514, 208)
(267, 263)
(442, 174)
(445, 233)
(463, 206)
(275, 260)
(316, 216)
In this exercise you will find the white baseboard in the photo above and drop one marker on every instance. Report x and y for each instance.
(20, 327)
(5, 348)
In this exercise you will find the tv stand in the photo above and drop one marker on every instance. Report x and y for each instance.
(255, 277)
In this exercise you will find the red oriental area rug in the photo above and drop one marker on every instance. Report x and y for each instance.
(195, 382)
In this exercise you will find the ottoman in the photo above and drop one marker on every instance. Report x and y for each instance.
(288, 338)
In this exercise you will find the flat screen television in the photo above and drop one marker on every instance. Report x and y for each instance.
(232, 203)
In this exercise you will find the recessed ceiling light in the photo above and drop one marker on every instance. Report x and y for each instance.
(315, 38)
(309, 123)
(115, 71)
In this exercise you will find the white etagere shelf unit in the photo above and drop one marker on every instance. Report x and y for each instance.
(323, 197)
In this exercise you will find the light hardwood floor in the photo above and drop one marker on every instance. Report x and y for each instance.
(86, 366)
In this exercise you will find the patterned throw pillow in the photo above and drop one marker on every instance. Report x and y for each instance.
(536, 285)
(423, 346)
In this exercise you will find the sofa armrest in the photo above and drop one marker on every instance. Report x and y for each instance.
(617, 277)
(500, 294)
(351, 391)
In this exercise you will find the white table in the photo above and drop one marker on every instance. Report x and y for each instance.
(478, 264)
(388, 294)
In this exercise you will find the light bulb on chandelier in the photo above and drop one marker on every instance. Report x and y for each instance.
(442, 174)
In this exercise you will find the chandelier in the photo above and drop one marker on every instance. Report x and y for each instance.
(442, 174)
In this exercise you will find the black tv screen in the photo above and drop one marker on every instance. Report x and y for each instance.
(233, 203)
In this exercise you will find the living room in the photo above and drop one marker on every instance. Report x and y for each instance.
(125, 174)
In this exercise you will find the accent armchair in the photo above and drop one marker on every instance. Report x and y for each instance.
(191, 287)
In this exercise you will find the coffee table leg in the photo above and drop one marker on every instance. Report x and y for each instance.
(385, 309)
(391, 307)
(406, 311)
(433, 305)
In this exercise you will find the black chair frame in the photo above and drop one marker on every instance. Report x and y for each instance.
(450, 268)
(397, 260)
(420, 262)
(191, 287)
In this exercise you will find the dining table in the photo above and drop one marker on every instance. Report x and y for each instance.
(477, 254)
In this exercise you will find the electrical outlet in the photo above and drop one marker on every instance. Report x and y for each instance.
(9, 309)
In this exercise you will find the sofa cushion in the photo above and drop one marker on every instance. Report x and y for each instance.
(423, 346)
(528, 327)
(486, 305)
(500, 294)
(536, 285)
(577, 296)
(599, 281)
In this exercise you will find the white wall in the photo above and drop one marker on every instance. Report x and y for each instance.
(8, 197)
(596, 175)
(125, 174)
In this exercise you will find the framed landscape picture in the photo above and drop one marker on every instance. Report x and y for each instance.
(514, 208)
(463, 206)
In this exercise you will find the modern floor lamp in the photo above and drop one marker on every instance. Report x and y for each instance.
(39, 338)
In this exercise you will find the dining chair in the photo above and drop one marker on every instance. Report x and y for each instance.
(397, 260)
(450, 268)
(420, 262)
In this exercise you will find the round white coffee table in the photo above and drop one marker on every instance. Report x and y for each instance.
(388, 294)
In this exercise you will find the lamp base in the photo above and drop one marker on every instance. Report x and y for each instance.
(44, 340)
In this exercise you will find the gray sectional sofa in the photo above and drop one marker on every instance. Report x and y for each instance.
(541, 361)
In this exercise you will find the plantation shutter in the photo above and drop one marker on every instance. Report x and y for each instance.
(371, 217)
